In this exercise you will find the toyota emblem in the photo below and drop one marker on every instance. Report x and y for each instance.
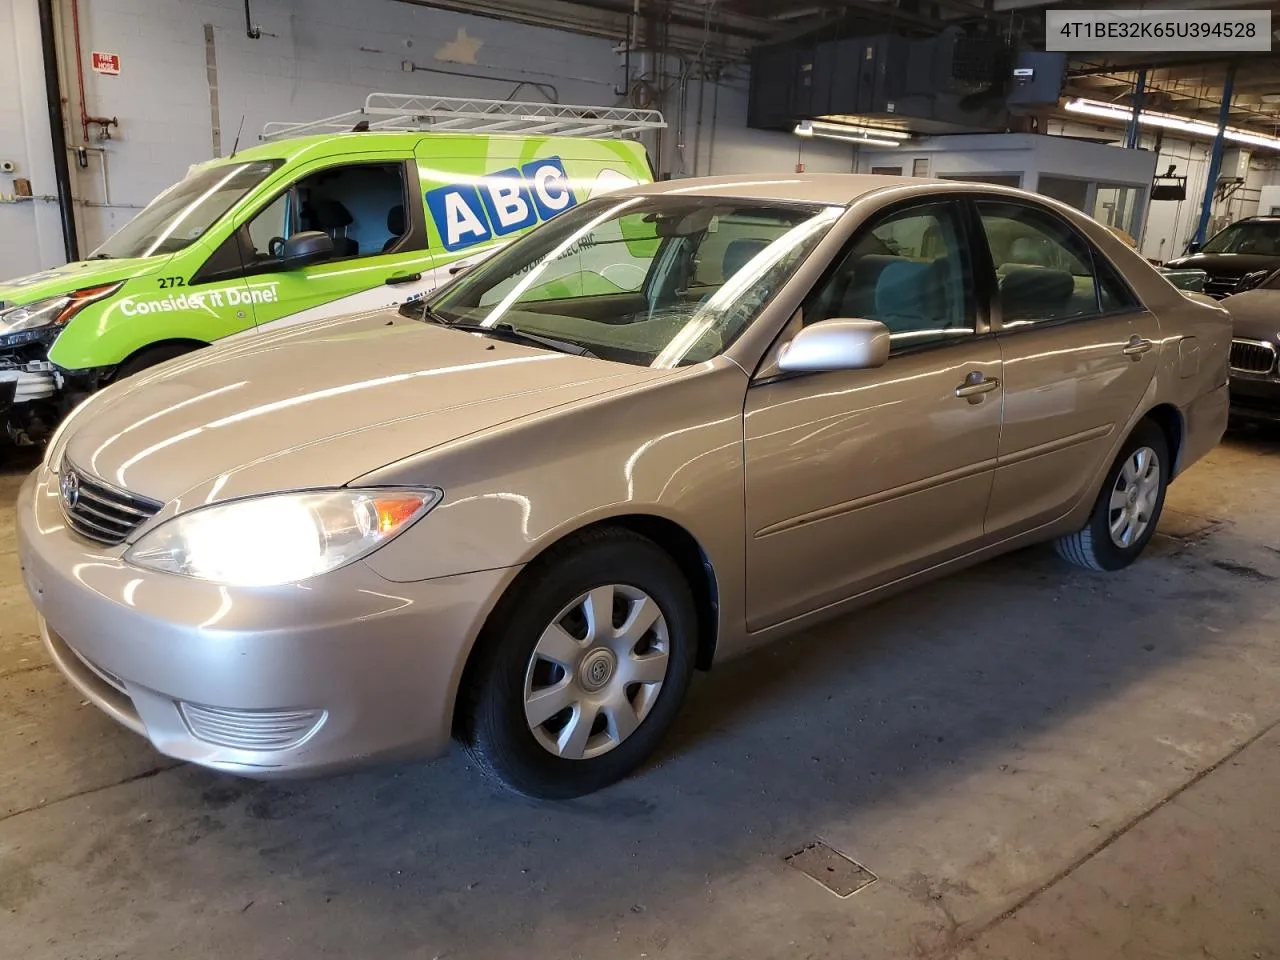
(69, 486)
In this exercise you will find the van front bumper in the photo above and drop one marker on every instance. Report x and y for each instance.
(260, 682)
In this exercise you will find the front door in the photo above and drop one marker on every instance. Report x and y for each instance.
(857, 478)
(1079, 353)
(369, 209)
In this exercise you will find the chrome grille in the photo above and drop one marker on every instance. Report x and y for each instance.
(250, 729)
(99, 511)
(1221, 284)
(1252, 356)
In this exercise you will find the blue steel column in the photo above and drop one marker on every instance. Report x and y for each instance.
(1215, 163)
(1139, 91)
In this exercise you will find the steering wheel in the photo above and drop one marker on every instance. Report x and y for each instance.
(276, 247)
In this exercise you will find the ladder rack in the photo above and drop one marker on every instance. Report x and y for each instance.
(407, 112)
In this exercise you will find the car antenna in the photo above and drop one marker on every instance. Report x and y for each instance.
(236, 146)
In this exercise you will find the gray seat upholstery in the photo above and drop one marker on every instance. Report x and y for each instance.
(331, 216)
(396, 225)
(909, 295)
(1035, 293)
(738, 254)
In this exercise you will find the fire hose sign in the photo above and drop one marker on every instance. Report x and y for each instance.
(108, 63)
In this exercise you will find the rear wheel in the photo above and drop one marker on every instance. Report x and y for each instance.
(582, 669)
(1125, 515)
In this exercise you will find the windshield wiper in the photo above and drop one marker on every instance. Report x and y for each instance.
(505, 331)
(101, 256)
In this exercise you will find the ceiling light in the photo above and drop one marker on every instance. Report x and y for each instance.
(1167, 121)
(853, 135)
(864, 128)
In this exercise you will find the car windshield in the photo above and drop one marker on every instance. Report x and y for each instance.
(1247, 236)
(181, 215)
(662, 281)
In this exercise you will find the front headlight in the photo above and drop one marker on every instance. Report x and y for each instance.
(50, 312)
(280, 538)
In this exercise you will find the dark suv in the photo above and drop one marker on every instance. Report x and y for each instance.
(1255, 345)
(1248, 246)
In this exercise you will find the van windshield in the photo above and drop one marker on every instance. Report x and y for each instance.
(181, 215)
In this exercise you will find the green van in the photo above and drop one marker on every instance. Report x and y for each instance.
(289, 231)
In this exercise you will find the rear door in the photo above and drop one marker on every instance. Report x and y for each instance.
(1079, 354)
(857, 478)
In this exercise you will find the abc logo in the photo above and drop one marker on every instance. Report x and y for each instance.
(504, 202)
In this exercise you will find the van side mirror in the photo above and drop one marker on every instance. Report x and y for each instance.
(836, 344)
(307, 247)
(1194, 246)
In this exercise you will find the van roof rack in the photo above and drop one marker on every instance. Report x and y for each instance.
(412, 113)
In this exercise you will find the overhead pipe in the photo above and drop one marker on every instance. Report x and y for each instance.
(103, 123)
(58, 131)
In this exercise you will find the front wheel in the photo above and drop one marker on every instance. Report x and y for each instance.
(1125, 515)
(582, 669)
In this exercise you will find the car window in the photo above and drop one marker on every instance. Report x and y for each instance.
(1045, 271)
(360, 206)
(272, 226)
(620, 276)
(911, 271)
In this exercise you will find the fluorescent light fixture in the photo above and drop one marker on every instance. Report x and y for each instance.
(826, 131)
(862, 128)
(1121, 114)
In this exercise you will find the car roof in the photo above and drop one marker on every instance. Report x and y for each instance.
(289, 148)
(829, 188)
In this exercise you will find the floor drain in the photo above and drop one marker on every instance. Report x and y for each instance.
(841, 875)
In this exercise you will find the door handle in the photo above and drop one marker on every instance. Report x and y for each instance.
(400, 278)
(975, 386)
(1137, 347)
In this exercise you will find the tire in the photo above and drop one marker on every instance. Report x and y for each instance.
(564, 756)
(150, 357)
(1095, 547)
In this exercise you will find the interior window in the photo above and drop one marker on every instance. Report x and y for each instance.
(360, 206)
(911, 271)
(1045, 270)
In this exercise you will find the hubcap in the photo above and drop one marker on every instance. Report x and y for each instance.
(1134, 496)
(596, 672)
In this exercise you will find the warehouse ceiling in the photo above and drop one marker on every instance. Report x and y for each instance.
(724, 31)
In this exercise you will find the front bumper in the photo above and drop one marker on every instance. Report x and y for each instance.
(260, 682)
(1255, 398)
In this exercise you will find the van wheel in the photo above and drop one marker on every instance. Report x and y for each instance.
(583, 668)
(150, 357)
(1128, 508)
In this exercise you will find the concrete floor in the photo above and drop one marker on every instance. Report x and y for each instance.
(1034, 762)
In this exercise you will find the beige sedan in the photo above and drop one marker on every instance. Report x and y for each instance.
(670, 425)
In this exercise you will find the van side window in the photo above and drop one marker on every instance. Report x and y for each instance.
(1045, 271)
(911, 271)
(360, 206)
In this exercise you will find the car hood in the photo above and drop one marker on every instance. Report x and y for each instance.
(75, 276)
(1255, 314)
(318, 405)
(1231, 263)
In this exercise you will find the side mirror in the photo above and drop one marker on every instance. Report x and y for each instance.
(837, 344)
(1194, 246)
(307, 247)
